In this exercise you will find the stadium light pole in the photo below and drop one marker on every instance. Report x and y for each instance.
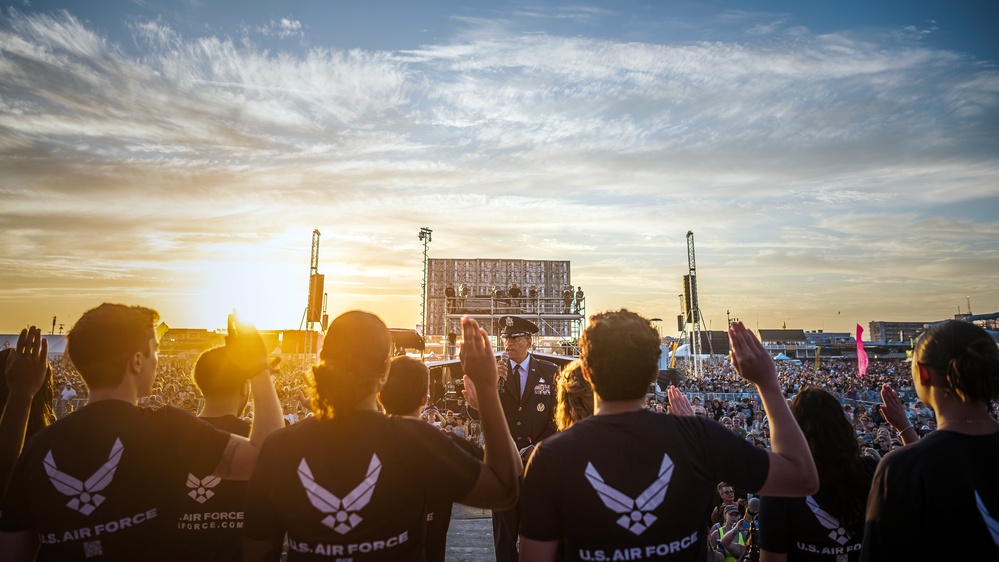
(425, 236)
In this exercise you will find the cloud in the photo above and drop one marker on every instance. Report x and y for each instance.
(283, 28)
(790, 154)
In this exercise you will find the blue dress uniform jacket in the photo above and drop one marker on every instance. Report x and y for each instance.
(532, 417)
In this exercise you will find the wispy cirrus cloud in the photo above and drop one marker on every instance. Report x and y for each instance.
(282, 28)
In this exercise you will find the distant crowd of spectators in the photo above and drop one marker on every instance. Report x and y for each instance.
(719, 393)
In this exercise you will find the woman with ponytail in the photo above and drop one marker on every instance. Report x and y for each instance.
(352, 482)
(938, 499)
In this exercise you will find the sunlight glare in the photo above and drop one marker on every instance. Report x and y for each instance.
(271, 294)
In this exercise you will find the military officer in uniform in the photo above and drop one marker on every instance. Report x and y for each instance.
(528, 396)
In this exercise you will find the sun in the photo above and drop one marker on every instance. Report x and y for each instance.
(266, 289)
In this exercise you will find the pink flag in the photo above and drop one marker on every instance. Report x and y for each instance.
(861, 354)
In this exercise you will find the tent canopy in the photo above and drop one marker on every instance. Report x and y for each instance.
(57, 343)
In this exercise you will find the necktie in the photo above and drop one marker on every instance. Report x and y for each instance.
(516, 381)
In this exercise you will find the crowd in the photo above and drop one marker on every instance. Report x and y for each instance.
(720, 394)
(334, 477)
(174, 386)
(719, 388)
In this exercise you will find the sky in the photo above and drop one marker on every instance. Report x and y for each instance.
(837, 164)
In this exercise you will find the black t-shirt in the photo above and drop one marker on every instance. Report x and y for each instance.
(102, 481)
(210, 524)
(937, 499)
(634, 486)
(354, 487)
(439, 512)
(806, 532)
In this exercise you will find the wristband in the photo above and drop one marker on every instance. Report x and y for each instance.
(906, 428)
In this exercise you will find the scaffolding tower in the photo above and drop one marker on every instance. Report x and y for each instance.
(488, 289)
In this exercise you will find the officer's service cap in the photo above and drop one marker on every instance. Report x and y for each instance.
(514, 327)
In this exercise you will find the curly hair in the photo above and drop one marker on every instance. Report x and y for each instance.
(843, 482)
(620, 351)
(575, 396)
(355, 358)
(965, 355)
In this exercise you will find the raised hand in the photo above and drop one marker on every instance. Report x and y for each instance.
(471, 398)
(477, 359)
(678, 403)
(893, 410)
(27, 363)
(245, 346)
(750, 358)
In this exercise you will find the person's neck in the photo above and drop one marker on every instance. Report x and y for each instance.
(971, 419)
(522, 359)
(217, 408)
(607, 407)
(369, 402)
(121, 392)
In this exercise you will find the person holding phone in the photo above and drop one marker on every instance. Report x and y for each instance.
(728, 539)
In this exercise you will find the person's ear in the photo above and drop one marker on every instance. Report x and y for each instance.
(135, 363)
(925, 374)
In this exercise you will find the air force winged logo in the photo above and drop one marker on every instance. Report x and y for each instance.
(201, 488)
(635, 513)
(84, 496)
(990, 522)
(836, 531)
(342, 513)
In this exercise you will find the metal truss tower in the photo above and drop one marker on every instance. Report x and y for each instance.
(311, 311)
(425, 236)
(313, 271)
(694, 310)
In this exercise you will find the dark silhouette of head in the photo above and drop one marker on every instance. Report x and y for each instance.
(353, 363)
(406, 387)
(219, 378)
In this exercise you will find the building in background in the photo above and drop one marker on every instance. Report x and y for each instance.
(488, 289)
